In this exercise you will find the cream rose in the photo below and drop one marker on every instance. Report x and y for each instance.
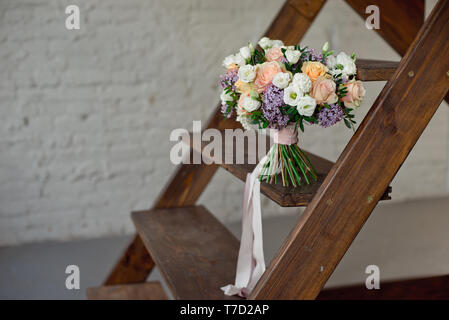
(265, 43)
(282, 80)
(303, 82)
(247, 73)
(314, 69)
(293, 56)
(306, 106)
(324, 91)
(245, 52)
(292, 95)
(346, 63)
(247, 104)
(355, 95)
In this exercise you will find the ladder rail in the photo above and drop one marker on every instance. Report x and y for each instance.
(355, 184)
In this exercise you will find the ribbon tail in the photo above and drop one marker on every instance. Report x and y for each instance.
(251, 260)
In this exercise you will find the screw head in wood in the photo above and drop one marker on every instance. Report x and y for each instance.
(447, 73)
(411, 74)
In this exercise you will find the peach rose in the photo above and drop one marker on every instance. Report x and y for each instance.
(355, 95)
(233, 66)
(314, 69)
(324, 91)
(265, 74)
(240, 109)
(242, 87)
(274, 54)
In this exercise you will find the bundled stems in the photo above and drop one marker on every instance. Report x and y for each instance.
(291, 163)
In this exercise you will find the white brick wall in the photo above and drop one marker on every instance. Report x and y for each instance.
(86, 114)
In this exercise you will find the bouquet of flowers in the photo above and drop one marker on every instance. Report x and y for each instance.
(283, 88)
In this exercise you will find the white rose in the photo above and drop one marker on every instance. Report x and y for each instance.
(282, 80)
(303, 82)
(228, 61)
(292, 94)
(239, 60)
(331, 62)
(265, 43)
(225, 97)
(246, 123)
(277, 43)
(348, 64)
(306, 106)
(293, 56)
(247, 73)
(245, 52)
(250, 105)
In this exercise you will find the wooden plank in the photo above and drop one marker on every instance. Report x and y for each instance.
(141, 291)
(195, 253)
(126, 269)
(432, 288)
(366, 167)
(375, 70)
(134, 266)
(400, 20)
(293, 20)
(284, 196)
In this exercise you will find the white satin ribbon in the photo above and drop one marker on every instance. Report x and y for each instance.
(251, 261)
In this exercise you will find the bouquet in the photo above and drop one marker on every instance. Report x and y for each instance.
(285, 88)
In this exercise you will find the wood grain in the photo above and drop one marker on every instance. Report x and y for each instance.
(141, 291)
(293, 20)
(135, 263)
(431, 288)
(375, 153)
(284, 196)
(375, 70)
(400, 21)
(195, 253)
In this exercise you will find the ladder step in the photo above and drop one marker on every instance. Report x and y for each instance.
(139, 291)
(375, 70)
(284, 196)
(195, 253)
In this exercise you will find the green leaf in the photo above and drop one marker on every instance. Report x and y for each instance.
(347, 123)
(301, 125)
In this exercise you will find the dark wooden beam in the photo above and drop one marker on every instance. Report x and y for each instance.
(370, 161)
(400, 20)
(432, 288)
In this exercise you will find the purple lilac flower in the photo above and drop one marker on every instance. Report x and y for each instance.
(329, 117)
(224, 109)
(273, 100)
(229, 78)
(312, 55)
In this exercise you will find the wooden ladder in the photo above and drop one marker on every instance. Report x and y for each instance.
(197, 255)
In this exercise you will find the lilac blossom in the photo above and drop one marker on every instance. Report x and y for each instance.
(327, 117)
(273, 101)
(229, 78)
